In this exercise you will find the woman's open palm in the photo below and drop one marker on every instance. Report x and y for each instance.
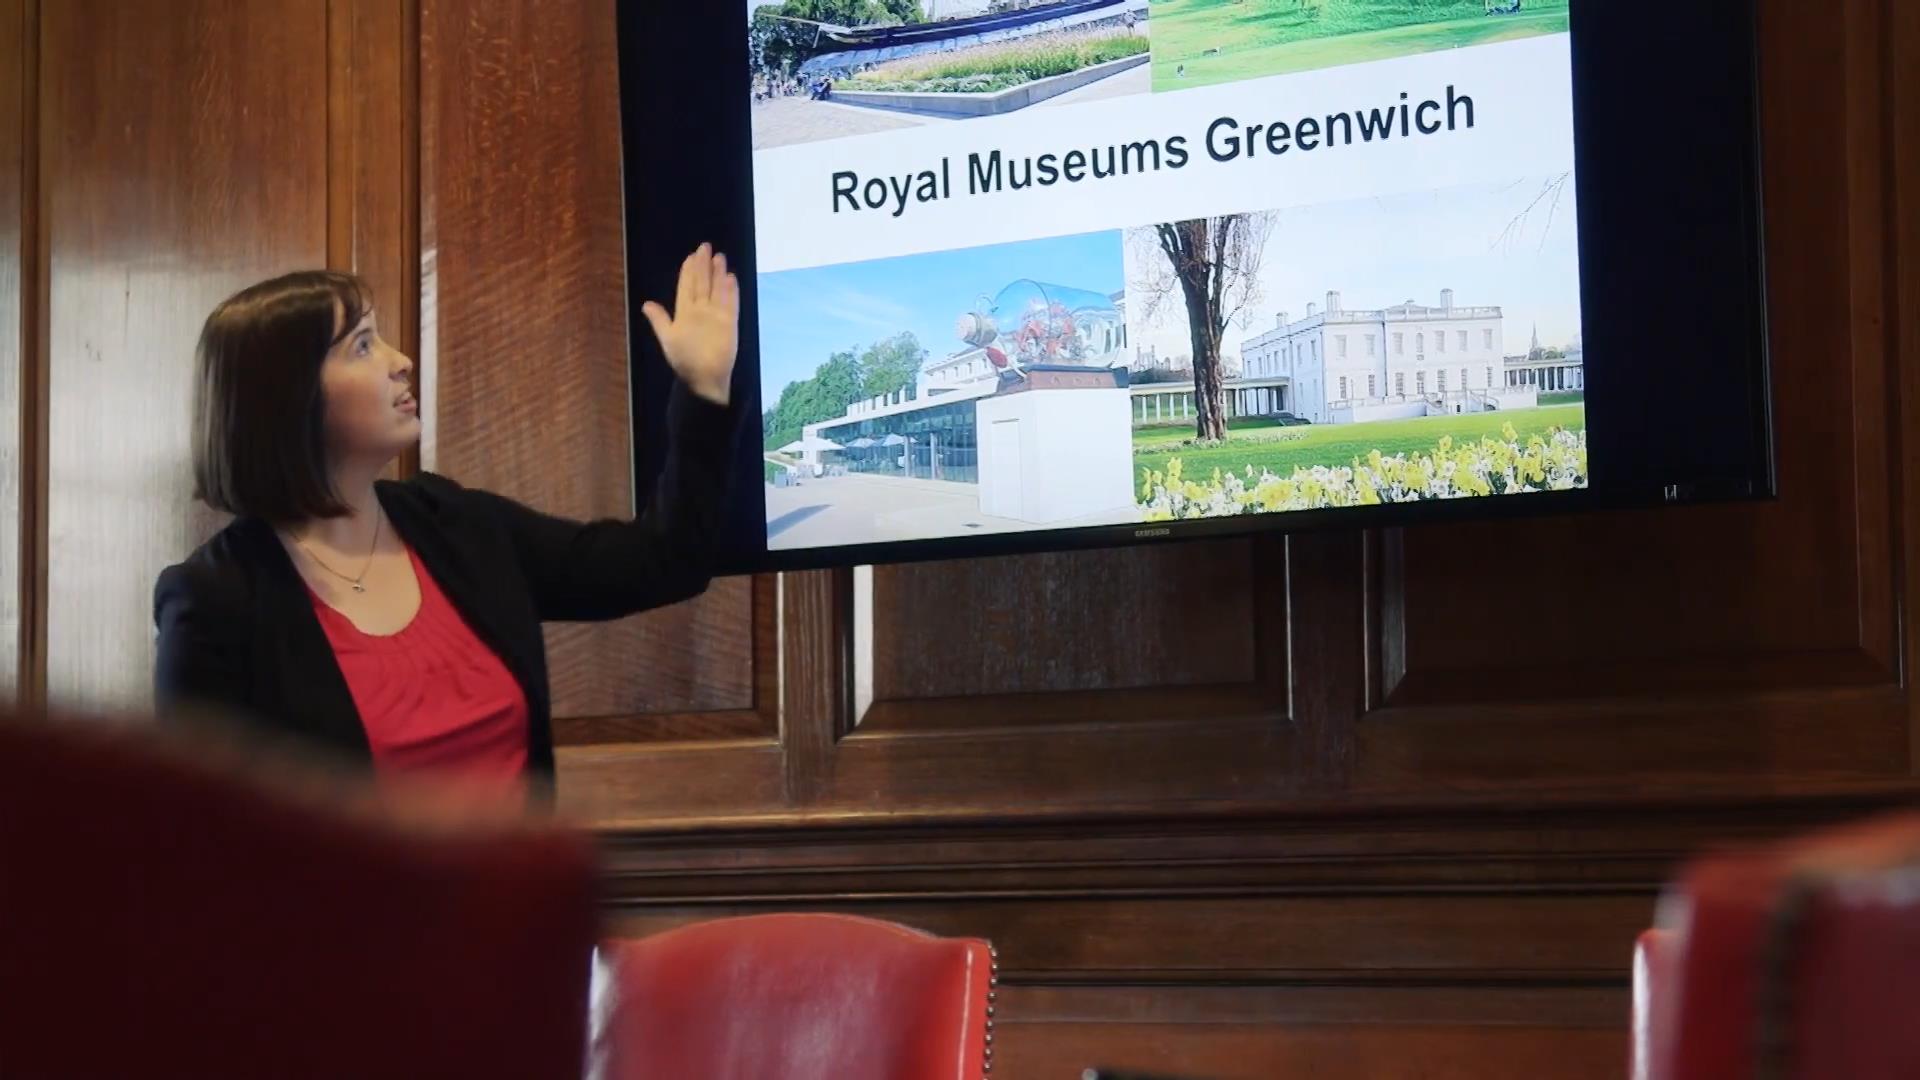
(702, 336)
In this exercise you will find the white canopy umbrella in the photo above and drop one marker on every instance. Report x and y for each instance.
(812, 444)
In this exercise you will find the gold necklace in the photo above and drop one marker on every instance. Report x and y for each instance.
(356, 582)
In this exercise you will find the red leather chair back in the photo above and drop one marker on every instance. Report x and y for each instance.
(801, 997)
(1799, 961)
(163, 918)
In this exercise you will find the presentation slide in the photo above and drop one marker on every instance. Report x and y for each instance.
(1096, 262)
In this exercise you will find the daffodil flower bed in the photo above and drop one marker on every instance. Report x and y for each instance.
(1555, 461)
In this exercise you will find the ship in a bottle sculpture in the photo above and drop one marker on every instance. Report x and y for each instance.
(1033, 324)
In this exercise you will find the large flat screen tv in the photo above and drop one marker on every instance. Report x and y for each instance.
(1026, 275)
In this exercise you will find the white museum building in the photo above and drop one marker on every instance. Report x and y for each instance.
(1339, 365)
(1053, 445)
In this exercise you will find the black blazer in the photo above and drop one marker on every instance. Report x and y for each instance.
(238, 633)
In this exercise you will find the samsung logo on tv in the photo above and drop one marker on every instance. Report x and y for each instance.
(1144, 534)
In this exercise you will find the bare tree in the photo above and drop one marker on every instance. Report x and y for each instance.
(1547, 198)
(1213, 265)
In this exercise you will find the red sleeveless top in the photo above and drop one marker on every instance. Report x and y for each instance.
(433, 696)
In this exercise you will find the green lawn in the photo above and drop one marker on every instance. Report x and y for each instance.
(1563, 397)
(1220, 41)
(1280, 450)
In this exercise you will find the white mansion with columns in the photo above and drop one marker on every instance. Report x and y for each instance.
(1410, 359)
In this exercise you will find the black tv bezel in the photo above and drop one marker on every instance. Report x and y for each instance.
(1759, 485)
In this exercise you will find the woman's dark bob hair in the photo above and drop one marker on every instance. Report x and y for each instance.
(259, 418)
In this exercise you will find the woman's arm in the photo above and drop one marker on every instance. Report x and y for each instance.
(202, 660)
(608, 569)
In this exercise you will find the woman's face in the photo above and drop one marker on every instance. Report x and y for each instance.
(371, 412)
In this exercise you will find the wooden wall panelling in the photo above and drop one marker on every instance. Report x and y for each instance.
(1114, 620)
(1752, 640)
(17, 387)
(1902, 62)
(1258, 720)
(1276, 1046)
(999, 756)
(184, 156)
(815, 695)
(1539, 939)
(751, 718)
(713, 769)
(524, 294)
(1018, 756)
(373, 198)
(1085, 637)
(1562, 851)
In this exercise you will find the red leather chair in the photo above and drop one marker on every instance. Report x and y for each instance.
(801, 997)
(1798, 961)
(161, 916)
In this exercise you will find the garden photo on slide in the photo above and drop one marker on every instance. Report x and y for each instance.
(1301, 359)
(832, 69)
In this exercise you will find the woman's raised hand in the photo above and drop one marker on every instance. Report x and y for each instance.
(702, 336)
